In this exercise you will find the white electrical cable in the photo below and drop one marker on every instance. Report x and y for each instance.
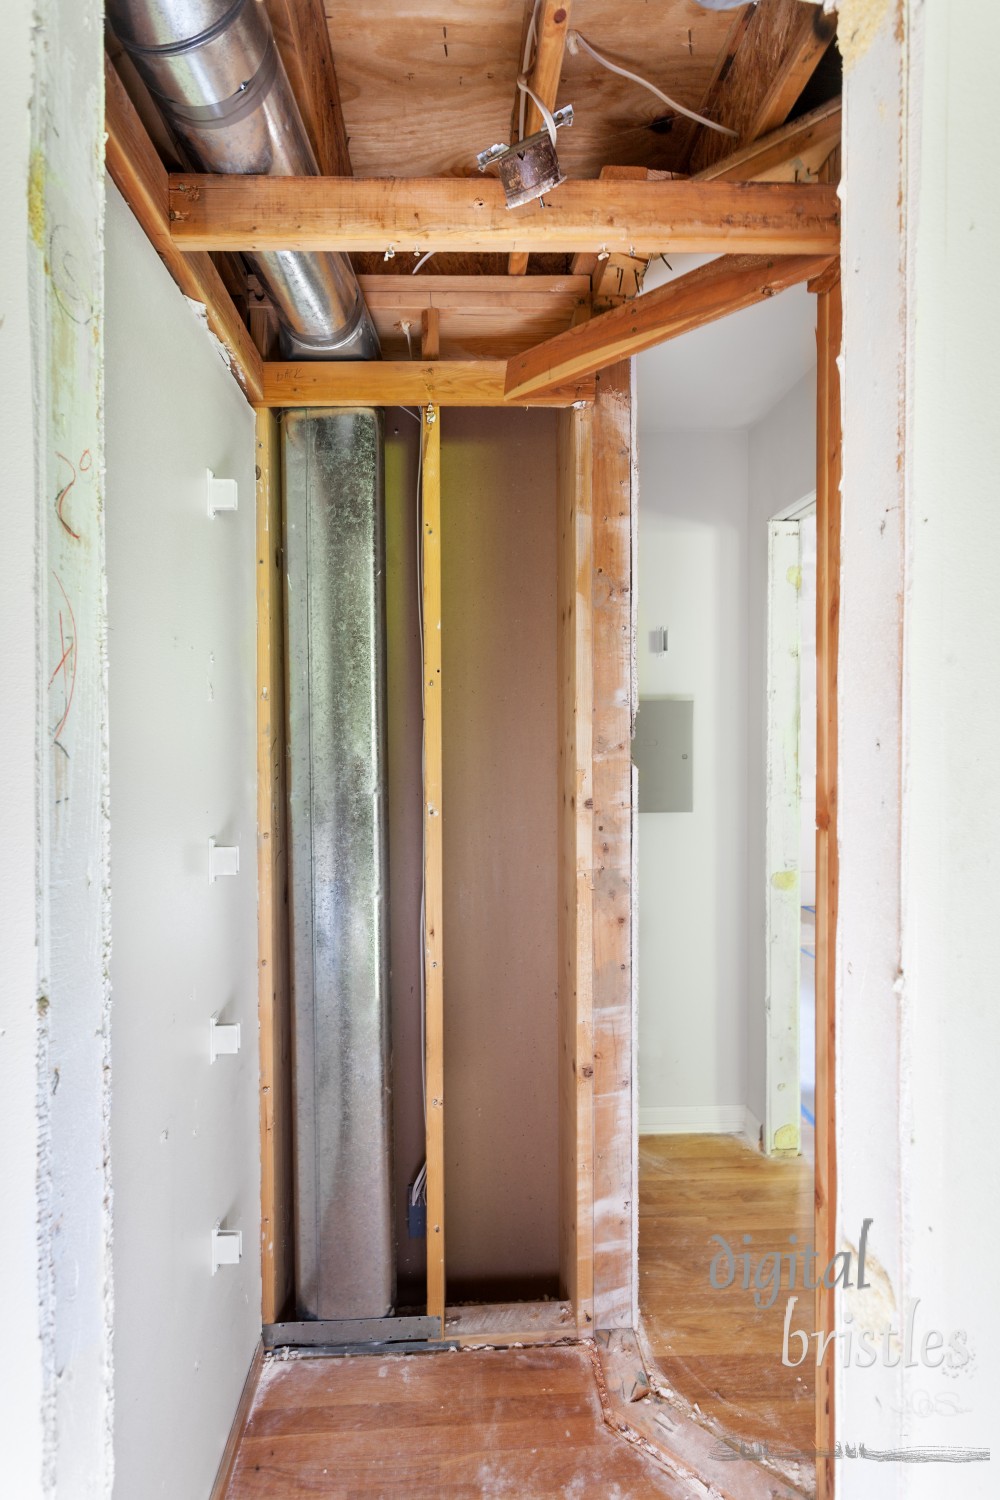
(574, 41)
(543, 110)
(423, 261)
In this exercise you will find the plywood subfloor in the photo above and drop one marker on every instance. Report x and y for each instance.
(715, 1347)
(518, 1423)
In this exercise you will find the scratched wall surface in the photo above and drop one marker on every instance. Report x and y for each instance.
(65, 221)
(20, 1378)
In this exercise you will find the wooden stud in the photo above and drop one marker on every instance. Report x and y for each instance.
(828, 523)
(303, 38)
(142, 180)
(776, 54)
(793, 153)
(575, 669)
(723, 286)
(453, 213)
(452, 382)
(273, 993)
(615, 1172)
(553, 29)
(430, 536)
(430, 333)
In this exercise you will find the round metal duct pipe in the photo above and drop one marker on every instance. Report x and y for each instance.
(214, 69)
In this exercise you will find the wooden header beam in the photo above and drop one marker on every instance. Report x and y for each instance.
(454, 213)
(454, 382)
(724, 286)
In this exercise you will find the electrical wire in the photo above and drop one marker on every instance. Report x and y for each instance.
(574, 41)
(422, 261)
(528, 92)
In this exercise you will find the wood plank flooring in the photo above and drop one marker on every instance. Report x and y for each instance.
(514, 1423)
(715, 1347)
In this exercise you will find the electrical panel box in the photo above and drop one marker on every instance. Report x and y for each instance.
(663, 752)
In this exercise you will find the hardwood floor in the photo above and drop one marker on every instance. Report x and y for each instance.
(515, 1423)
(715, 1347)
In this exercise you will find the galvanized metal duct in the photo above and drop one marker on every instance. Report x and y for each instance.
(335, 568)
(214, 69)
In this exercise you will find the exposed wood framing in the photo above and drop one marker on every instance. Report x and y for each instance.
(430, 540)
(615, 1137)
(454, 382)
(723, 286)
(142, 180)
(303, 39)
(576, 861)
(500, 1324)
(478, 315)
(792, 153)
(828, 523)
(430, 333)
(273, 996)
(443, 213)
(550, 48)
(776, 54)
(614, 277)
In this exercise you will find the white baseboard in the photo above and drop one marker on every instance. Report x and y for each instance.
(702, 1119)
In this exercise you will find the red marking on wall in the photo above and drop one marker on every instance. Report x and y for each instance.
(67, 661)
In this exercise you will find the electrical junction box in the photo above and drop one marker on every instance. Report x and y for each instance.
(663, 751)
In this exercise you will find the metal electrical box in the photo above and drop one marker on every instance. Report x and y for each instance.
(663, 752)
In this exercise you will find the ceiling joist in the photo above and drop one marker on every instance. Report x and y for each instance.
(792, 153)
(408, 214)
(724, 286)
(550, 49)
(141, 179)
(454, 382)
(303, 40)
(774, 50)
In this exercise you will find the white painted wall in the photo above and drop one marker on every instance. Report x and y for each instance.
(781, 457)
(918, 1024)
(20, 1376)
(692, 866)
(184, 1132)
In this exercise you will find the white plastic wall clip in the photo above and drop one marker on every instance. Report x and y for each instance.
(222, 494)
(227, 1247)
(223, 859)
(224, 1038)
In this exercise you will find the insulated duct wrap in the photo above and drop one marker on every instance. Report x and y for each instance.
(335, 613)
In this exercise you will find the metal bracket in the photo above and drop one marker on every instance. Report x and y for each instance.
(312, 1333)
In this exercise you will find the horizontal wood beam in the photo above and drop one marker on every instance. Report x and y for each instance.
(141, 179)
(455, 382)
(786, 154)
(723, 286)
(475, 294)
(454, 213)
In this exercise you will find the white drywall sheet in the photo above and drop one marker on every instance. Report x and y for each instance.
(184, 1130)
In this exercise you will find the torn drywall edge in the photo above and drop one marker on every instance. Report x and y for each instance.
(201, 313)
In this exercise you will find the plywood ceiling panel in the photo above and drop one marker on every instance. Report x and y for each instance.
(426, 86)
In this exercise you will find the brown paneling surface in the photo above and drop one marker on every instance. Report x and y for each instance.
(501, 792)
